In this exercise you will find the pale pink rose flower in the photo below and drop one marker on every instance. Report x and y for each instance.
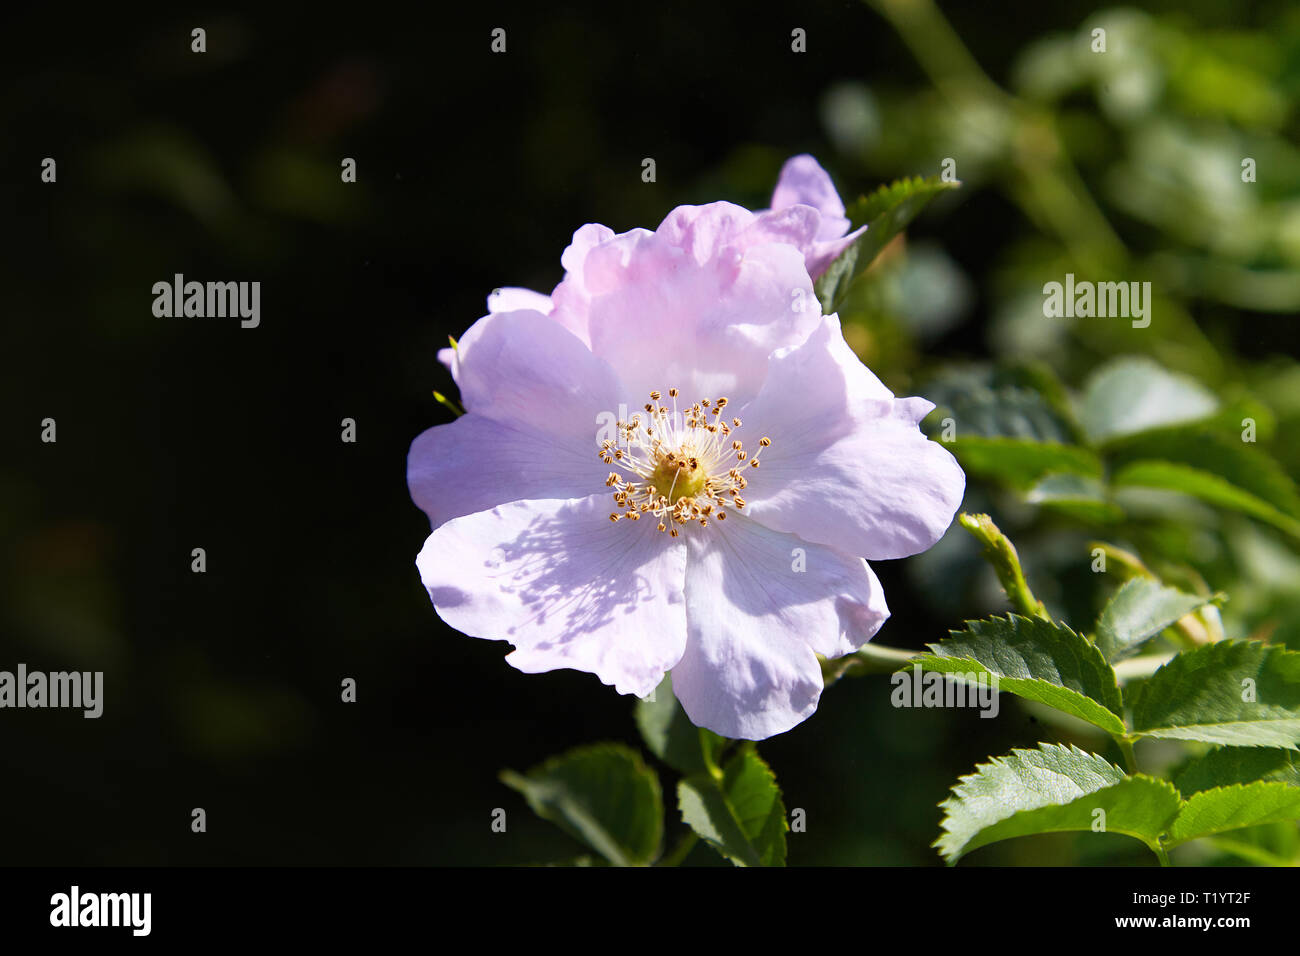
(657, 546)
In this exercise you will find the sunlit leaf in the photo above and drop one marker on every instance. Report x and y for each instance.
(1236, 693)
(1049, 790)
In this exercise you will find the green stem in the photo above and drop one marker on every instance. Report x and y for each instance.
(939, 50)
(714, 770)
(1126, 748)
(879, 659)
(1002, 555)
(681, 850)
(1043, 181)
(870, 659)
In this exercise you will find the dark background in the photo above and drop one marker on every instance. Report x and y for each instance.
(223, 689)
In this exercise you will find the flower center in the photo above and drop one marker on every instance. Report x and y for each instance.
(678, 465)
(678, 478)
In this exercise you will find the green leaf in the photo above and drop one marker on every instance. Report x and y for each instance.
(1225, 766)
(1231, 808)
(886, 212)
(1006, 412)
(604, 795)
(1207, 487)
(1251, 850)
(671, 736)
(1034, 659)
(1049, 790)
(1131, 395)
(1120, 562)
(1038, 376)
(1140, 610)
(1078, 496)
(1008, 400)
(1236, 462)
(1206, 694)
(741, 815)
(1021, 462)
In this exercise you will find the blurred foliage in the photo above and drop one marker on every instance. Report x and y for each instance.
(1171, 158)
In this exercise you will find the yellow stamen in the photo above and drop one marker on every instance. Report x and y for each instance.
(678, 466)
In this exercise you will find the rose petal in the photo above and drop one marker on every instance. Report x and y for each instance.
(795, 225)
(527, 371)
(705, 231)
(847, 466)
(475, 463)
(804, 182)
(755, 624)
(451, 359)
(663, 319)
(709, 231)
(570, 297)
(566, 586)
(515, 299)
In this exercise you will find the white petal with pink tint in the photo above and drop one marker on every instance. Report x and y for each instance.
(527, 371)
(760, 605)
(663, 319)
(515, 299)
(804, 182)
(565, 586)
(848, 466)
(509, 464)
